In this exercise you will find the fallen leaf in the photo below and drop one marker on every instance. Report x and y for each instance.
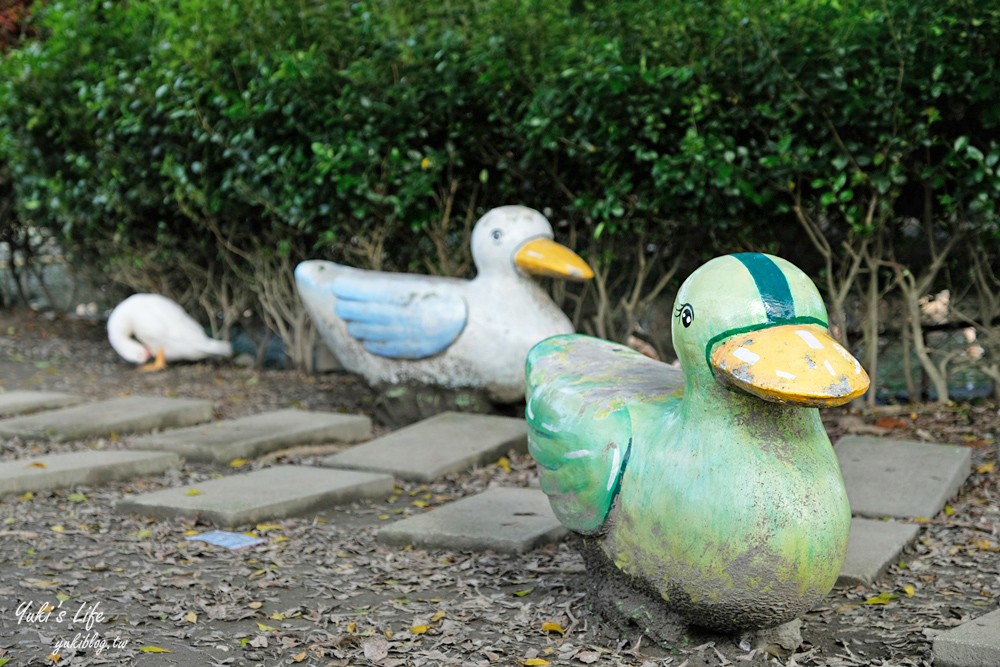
(891, 422)
(27, 495)
(986, 468)
(144, 534)
(437, 617)
(191, 617)
(4, 661)
(504, 464)
(420, 503)
(277, 616)
(352, 627)
(881, 598)
(376, 648)
(57, 528)
(76, 497)
(236, 463)
(255, 605)
(909, 590)
(549, 626)
(193, 492)
(46, 607)
(588, 657)
(266, 628)
(39, 464)
(154, 649)
(419, 629)
(191, 533)
(298, 657)
(533, 662)
(55, 657)
(949, 510)
(269, 526)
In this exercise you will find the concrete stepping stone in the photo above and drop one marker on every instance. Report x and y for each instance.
(248, 437)
(23, 402)
(445, 443)
(271, 493)
(872, 547)
(89, 467)
(117, 415)
(900, 478)
(975, 643)
(503, 519)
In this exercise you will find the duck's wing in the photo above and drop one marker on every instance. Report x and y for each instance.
(401, 316)
(583, 395)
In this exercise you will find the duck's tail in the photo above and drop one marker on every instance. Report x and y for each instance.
(218, 348)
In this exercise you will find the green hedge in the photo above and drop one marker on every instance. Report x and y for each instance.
(217, 130)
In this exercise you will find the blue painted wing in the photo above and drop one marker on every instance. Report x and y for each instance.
(397, 316)
(583, 395)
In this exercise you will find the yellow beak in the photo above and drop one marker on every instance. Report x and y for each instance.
(545, 257)
(791, 363)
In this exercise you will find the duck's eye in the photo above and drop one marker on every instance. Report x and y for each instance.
(496, 235)
(686, 313)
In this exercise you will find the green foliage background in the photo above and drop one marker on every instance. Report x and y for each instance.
(221, 132)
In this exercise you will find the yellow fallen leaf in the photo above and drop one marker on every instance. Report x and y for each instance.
(549, 626)
(236, 463)
(420, 503)
(46, 607)
(76, 497)
(986, 468)
(949, 510)
(57, 528)
(62, 597)
(266, 628)
(437, 617)
(383, 517)
(39, 464)
(269, 526)
(191, 533)
(277, 616)
(26, 496)
(191, 617)
(352, 627)
(55, 657)
(154, 649)
(504, 464)
(280, 538)
(986, 545)
(193, 492)
(420, 629)
(255, 605)
(534, 662)
(881, 598)
(144, 534)
(909, 590)
(921, 519)
(522, 593)
(299, 657)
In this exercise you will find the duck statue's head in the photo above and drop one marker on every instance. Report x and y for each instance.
(756, 323)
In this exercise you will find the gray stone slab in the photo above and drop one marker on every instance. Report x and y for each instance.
(117, 415)
(445, 443)
(503, 519)
(271, 493)
(975, 643)
(900, 478)
(247, 437)
(23, 402)
(56, 471)
(872, 548)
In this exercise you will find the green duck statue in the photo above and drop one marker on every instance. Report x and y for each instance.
(716, 495)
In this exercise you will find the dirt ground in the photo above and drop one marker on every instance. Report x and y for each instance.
(322, 591)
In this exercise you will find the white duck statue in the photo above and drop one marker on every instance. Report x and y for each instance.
(448, 332)
(150, 329)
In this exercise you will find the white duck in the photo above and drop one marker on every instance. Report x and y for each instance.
(398, 327)
(148, 327)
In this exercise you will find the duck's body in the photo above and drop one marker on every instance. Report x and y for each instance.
(730, 508)
(145, 327)
(394, 327)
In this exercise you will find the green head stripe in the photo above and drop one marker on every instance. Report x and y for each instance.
(771, 285)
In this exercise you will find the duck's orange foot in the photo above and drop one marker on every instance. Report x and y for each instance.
(158, 364)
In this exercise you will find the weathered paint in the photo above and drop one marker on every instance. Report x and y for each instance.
(731, 507)
(395, 327)
(798, 364)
